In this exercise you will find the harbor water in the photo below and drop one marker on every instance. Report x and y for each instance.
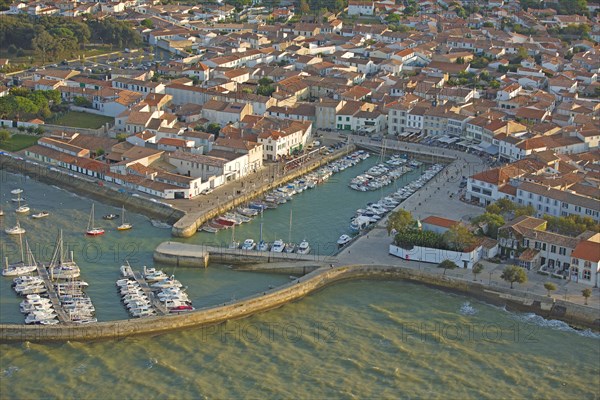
(354, 340)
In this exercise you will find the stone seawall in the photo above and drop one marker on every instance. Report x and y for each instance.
(89, 187)
(192, 255)
(188, 225)
(514, 300)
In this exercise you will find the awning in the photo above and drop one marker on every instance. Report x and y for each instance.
(491, 149)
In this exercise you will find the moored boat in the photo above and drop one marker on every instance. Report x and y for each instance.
(303, 247)
(41, 214)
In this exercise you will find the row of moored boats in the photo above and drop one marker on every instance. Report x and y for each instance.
(166, 289)
(63, 276)
(373, 212)
(381, 175)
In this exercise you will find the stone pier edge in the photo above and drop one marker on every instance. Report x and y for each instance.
(514, 300)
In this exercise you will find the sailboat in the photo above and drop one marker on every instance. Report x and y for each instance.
(25, 266)
(91, 229)
(262, 246)
(22, 209)
(60, 267)
(124, 225)
(290, 246)
(15, 230)
(233, 244)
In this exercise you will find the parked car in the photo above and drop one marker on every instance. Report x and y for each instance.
(206, 191)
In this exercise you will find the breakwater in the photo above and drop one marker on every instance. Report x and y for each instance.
(188, 225)
(511, 299)
(90, 187)
(191, 255)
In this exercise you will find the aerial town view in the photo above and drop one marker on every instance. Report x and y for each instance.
(300, 199)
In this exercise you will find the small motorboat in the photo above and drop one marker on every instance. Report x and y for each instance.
(208, 228)
(110, 216)
(343, 240)
(41, 214)
(22, 210)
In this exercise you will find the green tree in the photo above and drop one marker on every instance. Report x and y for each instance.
(459, 237)
(4, 135)
(81, 101)
(586, 293)
(525, 210)
(477, 269)
(513, 273)
(304, 7)
(493, 222)
(447, 264)
(400, 220)
(550, 287)
(506, 205)
(265, 81)
(44, 44)
(121, 137)
(99, 152)
(12, 49)
(493, 209)
(147, 23)
(213, 128)
(265, 90)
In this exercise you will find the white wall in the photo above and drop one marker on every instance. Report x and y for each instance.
(436, 256)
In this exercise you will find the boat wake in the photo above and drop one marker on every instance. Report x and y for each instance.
(555, 324)
(467, 309)
(151, 363)
(159, 224)
(80, 369)
(10, 371)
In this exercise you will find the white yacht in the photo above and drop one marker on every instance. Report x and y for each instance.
(154, 275)
(248, 244)
(303, 247)
(343, 240)
(278, 246)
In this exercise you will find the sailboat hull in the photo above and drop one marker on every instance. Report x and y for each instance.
(124, 227)
(95, 232)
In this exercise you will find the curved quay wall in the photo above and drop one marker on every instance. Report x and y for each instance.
(568, 312)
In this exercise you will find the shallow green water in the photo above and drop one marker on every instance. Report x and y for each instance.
(355, 340)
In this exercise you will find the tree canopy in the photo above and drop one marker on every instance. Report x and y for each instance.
(514, 273)
(447, 264)
(53, 37)
(399, 221)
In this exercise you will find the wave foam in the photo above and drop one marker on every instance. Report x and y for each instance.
(556, 325)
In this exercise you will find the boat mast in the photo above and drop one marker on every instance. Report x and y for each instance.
(290, 231)
(21, 246)
(261, 225)
(30, 257)
(123, 215)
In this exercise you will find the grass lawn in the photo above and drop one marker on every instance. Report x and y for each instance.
(18, 142)
(78, 119)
